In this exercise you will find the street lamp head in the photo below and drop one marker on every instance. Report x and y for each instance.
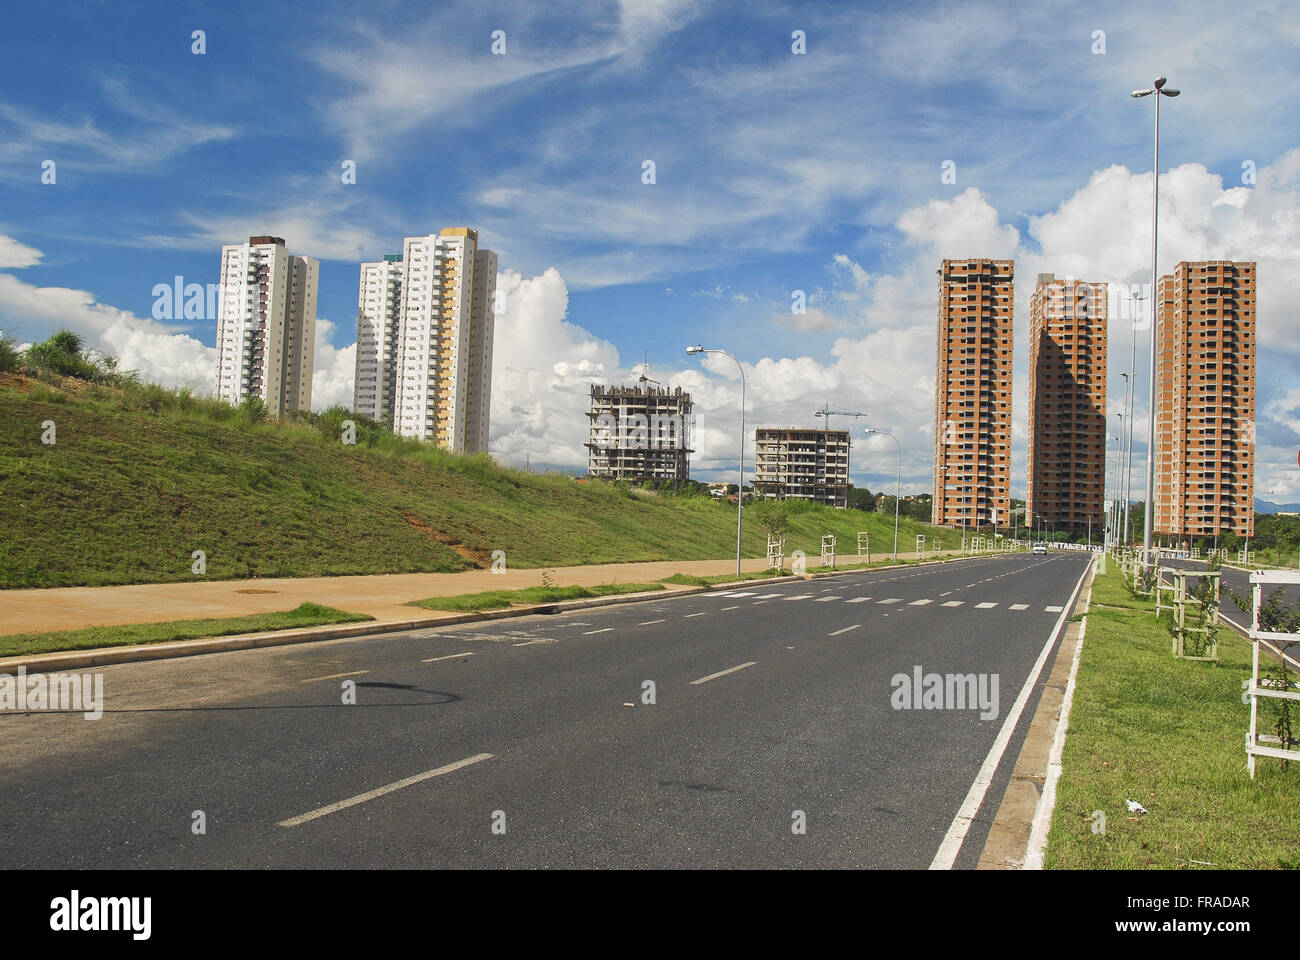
(1171, 92)
(1160, 82)
(1141, 93)
(691, 351)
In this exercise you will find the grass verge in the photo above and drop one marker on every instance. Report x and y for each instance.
(1169, 734)
(306, 615)
(504, 599)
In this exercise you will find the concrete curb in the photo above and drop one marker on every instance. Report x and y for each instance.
(106, 656)
(1031, 792)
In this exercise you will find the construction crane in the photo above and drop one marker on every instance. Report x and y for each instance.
(827, 412)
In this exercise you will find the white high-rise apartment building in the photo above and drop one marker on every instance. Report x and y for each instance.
(266, 325)
(379, 306)
(440, 384)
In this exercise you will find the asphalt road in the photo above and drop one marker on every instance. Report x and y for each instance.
(1237, 582)
(768, 700)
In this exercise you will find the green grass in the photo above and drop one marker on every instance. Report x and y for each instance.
(1169, 734)
(140, 477)
(504, 599)
(306, 615)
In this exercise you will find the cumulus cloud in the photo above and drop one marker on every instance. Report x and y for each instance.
(542, 369)
(160, 353)
(333, 369)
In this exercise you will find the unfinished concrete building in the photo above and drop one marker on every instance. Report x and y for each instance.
(1205, 400)
(972, 397)
(1065, 479)
(640, 434)
(794, 463)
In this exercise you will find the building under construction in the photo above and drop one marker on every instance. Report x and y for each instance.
(794, 463)
(640, 434)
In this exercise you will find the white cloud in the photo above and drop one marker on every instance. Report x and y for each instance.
(333, 369)
(14, 254)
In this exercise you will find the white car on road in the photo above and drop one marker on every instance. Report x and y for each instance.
(1040, 548)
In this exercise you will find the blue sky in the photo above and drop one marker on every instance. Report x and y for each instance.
(774, 172)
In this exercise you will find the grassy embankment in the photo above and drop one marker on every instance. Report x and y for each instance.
(1169, 734)
(139, 478)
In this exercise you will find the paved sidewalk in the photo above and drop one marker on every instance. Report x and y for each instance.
(383, 597)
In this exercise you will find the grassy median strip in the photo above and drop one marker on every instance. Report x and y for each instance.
(1170, 735)
(307, 615)
(504, 599)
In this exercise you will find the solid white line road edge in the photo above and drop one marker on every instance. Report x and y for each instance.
(1037, 845)
(956, 835)
(381, 791)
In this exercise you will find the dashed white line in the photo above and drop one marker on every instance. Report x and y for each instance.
(953, 603)
(723, 673)
(798, 596)
(1020, 606)
(1053, 609)
(858, 600)
(587, 633)
(918, 603)
(381, 791)
(689, 615)
(985, 606)
(892, 600)
(450, 656)
(736, 607)
(336, 676)
(826, 599)
(772, 596)
(646, 623)
(845, 630)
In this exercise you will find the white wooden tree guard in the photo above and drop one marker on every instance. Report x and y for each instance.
(1196, 553)
(775, 552)
(1203, 631)
(1244, 555)
(920, 544)
(1265, 686)
(864, 546)
(828, 550)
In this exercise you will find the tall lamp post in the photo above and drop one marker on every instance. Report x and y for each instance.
(1132, 400)
(1158, 89)
(898, 482)
(740, 485)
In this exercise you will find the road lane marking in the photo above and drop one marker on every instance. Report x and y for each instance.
(723, 673)
(689, 615)
(918, 603)
(587, 633)
(749, 593)
(646, 623)
(845, 630)
(529, 643)
(893, 600)
(945, 593)
(736, 607)
(985, 606)
(450, 656)
(953, 603)
(335, 676)
(798, 596)
(825, 599)
(381, 791)
(961, 823)
(772, 596)
(1053, 609)
(858, 600)
(1022, 606)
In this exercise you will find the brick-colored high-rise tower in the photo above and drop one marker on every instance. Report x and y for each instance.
(972, 405)
(1065, 480)
(1205, 400)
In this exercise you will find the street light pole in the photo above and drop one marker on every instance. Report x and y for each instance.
(1132, 399)
(1158, 90)
(740, 484)
(898, 483)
